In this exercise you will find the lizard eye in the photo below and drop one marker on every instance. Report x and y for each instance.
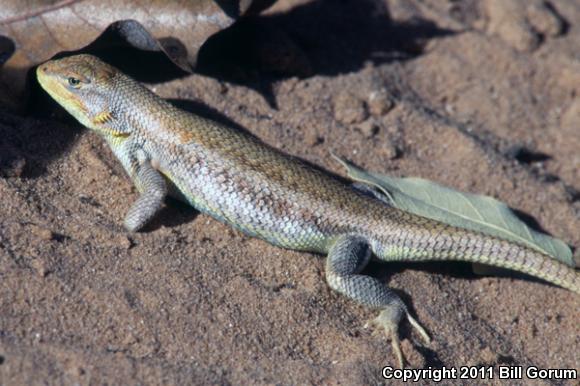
(74, 82)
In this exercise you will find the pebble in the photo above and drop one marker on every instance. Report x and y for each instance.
(42, 233)
(40, 267)
(380, 103)
(369, 128)
(349, 109)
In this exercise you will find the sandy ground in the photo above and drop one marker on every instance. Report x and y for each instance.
(479, 96)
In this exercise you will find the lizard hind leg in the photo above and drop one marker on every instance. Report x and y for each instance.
(347, 256)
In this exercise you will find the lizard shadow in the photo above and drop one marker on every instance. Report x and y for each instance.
(322, 37)
(28, 144)
(458, 270)
(172, 214)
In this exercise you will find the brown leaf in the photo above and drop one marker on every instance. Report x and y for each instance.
(42, 28)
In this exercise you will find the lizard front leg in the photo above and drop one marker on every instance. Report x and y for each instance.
(153, 190)
(347, 256)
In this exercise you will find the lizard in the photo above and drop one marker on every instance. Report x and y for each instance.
(262, 192)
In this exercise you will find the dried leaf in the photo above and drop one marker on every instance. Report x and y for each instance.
(465, 210)
(42, 28)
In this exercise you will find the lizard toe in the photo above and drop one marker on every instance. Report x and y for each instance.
(388, 321)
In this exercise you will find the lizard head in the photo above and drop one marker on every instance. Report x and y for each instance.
(85, 87)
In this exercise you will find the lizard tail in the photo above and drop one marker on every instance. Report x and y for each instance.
(442, 242)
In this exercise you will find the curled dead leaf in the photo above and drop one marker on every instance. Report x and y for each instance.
(39, 29)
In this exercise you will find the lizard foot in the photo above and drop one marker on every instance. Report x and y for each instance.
(388, 320)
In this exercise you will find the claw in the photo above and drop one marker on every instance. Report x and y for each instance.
(419, 329)
(397, 349)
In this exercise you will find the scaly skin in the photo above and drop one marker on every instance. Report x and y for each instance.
(264, 193)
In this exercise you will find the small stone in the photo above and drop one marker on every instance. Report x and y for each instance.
(312, 138)
(41, 232)
(369, 128)
(380, 103)
(390, 150)
(545, 19)
(571, 115)
(489, 356)
(523, 24)
(40, 267)
(122, 241)
(348, 109)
